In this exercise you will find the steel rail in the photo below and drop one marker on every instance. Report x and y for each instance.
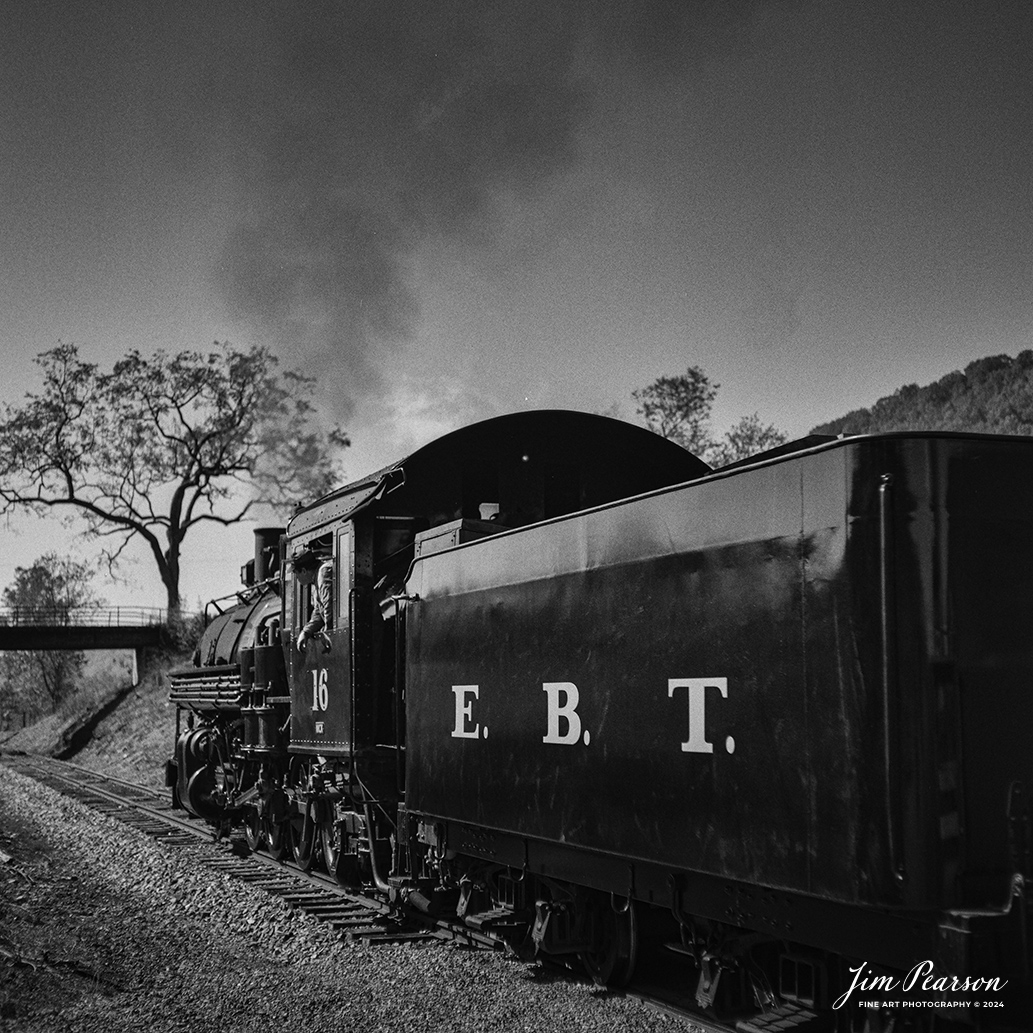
(312, 892)
(355, 916)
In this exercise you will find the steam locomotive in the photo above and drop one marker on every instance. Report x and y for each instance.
(578, 689)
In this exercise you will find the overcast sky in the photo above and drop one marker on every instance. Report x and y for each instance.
(448, 211)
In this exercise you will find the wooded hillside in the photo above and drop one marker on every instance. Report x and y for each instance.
(991, 395)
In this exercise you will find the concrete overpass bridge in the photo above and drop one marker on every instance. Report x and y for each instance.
(105, 627)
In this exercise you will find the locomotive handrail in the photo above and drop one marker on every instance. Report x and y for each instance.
(894, 823)
(242, 595)
(80, 616)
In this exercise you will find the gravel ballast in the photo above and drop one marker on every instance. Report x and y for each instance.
(102, 929)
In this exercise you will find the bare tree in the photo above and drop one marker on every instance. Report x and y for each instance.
(163, 444)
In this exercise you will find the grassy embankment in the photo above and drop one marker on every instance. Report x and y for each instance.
(132, 741)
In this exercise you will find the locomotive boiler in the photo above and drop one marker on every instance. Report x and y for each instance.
(576, 688)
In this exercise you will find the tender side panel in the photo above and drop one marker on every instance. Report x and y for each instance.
(673, 678)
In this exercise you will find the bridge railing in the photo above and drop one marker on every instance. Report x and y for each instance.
(83, 616)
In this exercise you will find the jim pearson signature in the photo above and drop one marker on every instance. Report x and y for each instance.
(920, 976)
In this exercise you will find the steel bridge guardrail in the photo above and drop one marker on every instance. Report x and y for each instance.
(84, 616)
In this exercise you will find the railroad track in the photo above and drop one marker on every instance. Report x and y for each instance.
(354, 916)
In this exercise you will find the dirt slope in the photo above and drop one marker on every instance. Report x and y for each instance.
(135, 740)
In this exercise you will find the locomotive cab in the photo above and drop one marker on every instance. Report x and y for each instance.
(348, 716)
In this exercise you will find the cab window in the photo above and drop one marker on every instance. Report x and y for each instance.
(343, 576)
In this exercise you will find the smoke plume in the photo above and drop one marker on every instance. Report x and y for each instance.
(360, 129)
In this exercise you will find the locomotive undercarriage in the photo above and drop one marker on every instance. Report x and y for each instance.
(315, 809)
(334, 819)
(733, 973)
(760, 979)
